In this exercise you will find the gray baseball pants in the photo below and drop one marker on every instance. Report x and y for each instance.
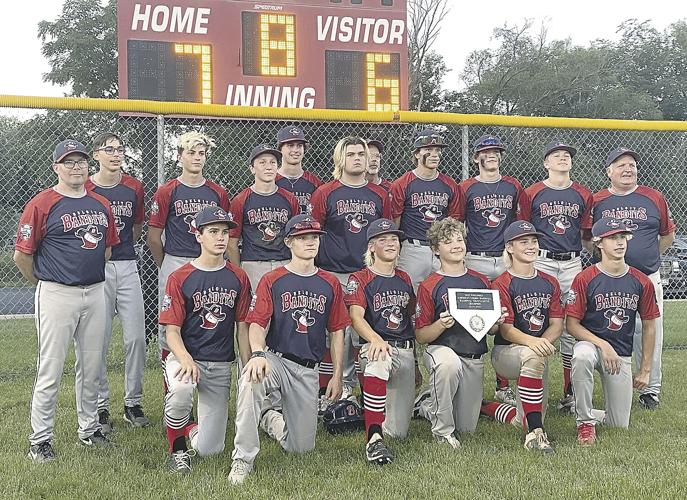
(654, 386)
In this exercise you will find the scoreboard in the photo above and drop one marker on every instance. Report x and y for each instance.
(336, 54)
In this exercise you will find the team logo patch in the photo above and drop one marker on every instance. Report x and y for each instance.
(356, 222)
(535, 318)
(270, 230)
(393, 317)
(191, 221)
(560, 223)
(616, 318)
(430, 213)
(303, 320)
(212, 316)
(572, 297)
(295, 131)
(90, 236)
(384, 225)
(630, 224)
(495, 216)
(154, 208)
(166, 303)
(119, 224)
(613, 224)
(25, 231)
(352, 286)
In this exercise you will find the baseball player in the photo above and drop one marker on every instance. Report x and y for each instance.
(300, 303)
(345, 207)
(524, 342)
(645, 211)
(419, 198)
(260, 213)
(123, 295)
(203, 301)
(490, 205)
(560, 209)
(381, 302)
(601, 313)
(292, 145)
(173, 210)
(376, 149)
(453, 357)
(64, 238)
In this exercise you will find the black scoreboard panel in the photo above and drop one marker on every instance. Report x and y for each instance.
(362, 80)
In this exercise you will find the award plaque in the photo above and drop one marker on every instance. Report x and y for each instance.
(476, 310)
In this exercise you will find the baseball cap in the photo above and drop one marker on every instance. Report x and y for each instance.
(383, 226)
(212, 214)
(487, 142)
(290, 134)
(518, 229)
(618, 152)
(302, 224)
(378, 144)
(559, 146)
(261, 149)
(429, 137)
(608, 226)
(66, 147)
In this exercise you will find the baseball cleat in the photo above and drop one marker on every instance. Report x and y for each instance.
(449, 440)
(347, 392)
(322, 405)
(105, 422)
(180, 461)
(649, 401)
(240, 470)
(417, 405)
(96, 440)
(505, 395)
(567, 403)
(538, 441)
(135, 416)
(376, 452)
(41, 453)
(586, 434)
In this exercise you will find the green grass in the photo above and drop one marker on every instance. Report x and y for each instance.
(646, 461)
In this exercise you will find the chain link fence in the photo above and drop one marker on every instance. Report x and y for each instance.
(26, 155)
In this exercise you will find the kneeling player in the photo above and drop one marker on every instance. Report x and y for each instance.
(203, 299)
(453, 357)
(300, 303)
(602, 310)
(381, 303)
(524, 343)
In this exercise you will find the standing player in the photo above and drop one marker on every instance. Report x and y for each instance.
(376, 149)
(524, 343)
(300, 303)
(345, 207)
(453, 357)
(203, 302)
(292, 144)
(645, 211)
(260, 213)
(173, 210)
(601, 313)
(419, 198)
(123, 295)
(381, 302)
(560, 209)
(490, 205)
(63, 241)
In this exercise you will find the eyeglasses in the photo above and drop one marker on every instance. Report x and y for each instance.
(111, 150)
(72, 164)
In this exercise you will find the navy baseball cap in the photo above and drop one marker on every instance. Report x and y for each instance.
(618, 152)
(302, 224)
(66, 147)
(213, 214)
(291, 134)
(429, 138)
(608, 226)
(383, 226)
(559, 146)
(262, 149)
(487, 142)
(518, 229)
(378, 144)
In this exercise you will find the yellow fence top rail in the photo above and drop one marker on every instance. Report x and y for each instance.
(263, 113)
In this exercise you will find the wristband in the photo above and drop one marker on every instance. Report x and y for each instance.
(257, 354)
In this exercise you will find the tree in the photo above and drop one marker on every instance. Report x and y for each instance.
(429, 96)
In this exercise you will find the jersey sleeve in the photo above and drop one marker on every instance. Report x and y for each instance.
(293, 202)
(577, 299)
(424, 313)
(112, 237)
(261, 310)
(386, 205)
(525, 206)
(667, 223)
(556, 308)
(586, 221)
(236, 211)
(648, 308)
(31, 228)
(355, 292)
(224, 200)
(245, 297)
(504, 296)
(173, 309)
(140, 214)
(159, 208)
(338, 315)
(397, 197)
(456, 207)
(319, 204)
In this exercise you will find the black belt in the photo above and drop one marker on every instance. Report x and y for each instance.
(421, 243)
(487, 254)
(563, 256)
(308, 363)
(470, 356)
(401, 344)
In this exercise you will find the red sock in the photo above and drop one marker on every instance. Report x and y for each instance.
(501, 383)
(501, 412)
(531, 392)
(374, 390)
(189, 428)
(326, 370)
(172, 435)
(567, 365)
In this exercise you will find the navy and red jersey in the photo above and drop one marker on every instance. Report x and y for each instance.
(558, 213)
(432, 300)
(345, 212)
(419, 202)
(389, 302)
(489, 208)
(174, 209)
(261, 219)
(67, 237)
(301, 187)
(126, 201)
(531, 302)
(205, 305)
(608, 305)
(300, 310)
(386, 184)
(643, 210)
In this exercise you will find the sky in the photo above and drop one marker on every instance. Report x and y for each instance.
(467, 27)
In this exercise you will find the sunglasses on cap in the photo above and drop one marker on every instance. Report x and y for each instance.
(427, 140)
(306, 225)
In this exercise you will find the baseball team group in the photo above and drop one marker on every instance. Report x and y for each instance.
(314, 288)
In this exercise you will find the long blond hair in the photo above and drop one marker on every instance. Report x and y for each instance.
(369, 255)
(339, 156)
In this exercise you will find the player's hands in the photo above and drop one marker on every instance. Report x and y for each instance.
(504, 315)
(418, 377)
(641, 380)
(188, 370)
(256, 369)
(334, 389)
(541, 346)
(611, 360)
(446, 320)
(379, 350)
